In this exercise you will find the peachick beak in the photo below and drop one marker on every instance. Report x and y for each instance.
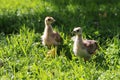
(54, 20)
(72, 32)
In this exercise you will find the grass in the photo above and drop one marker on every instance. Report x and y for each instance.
(24, 57)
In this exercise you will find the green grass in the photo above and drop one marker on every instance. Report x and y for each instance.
(24, 57)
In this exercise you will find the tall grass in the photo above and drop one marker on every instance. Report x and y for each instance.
(24, 57)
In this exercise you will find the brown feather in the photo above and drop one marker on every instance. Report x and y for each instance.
(58, 38)
(91, 46)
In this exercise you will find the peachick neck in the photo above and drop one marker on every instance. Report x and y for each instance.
(48, 29)
(79, 37)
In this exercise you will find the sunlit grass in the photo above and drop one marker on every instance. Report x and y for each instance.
(22, 55)
(23, 59)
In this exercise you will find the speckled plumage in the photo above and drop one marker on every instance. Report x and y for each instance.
(83, 48)
(50, 37)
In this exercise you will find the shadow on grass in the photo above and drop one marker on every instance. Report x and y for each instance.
(97, 18)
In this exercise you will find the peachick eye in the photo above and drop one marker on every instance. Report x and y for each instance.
(77, 30)
(49, 19)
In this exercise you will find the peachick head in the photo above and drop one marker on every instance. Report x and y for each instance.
(77, 31)
(49, 20)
